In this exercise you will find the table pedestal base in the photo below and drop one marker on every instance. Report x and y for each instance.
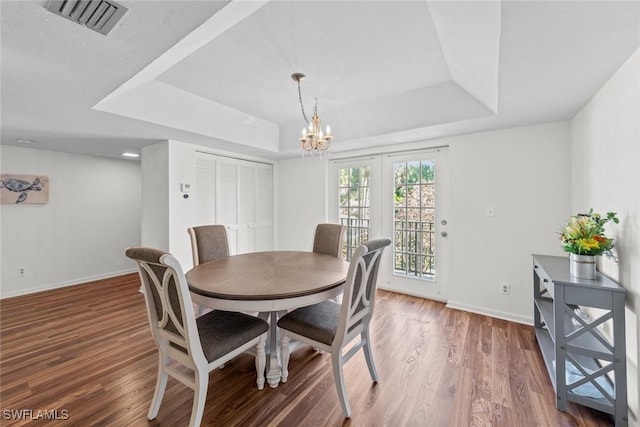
(274, 370)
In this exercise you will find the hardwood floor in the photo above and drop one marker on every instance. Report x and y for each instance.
(86, 352)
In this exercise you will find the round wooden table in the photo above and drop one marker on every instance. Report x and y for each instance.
(270, 283)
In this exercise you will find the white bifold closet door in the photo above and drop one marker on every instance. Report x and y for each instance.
(239, 195)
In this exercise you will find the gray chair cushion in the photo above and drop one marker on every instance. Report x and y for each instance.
(318, 322)
(223, 331)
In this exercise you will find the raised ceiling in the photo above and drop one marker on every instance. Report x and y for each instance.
(218, 73)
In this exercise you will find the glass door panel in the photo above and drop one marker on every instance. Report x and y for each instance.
(354, 206)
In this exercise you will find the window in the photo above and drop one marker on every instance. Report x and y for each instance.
(414, 218)
(354, 206)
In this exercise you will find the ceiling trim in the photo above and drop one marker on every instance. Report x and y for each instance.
(220, 22)
(163, 104)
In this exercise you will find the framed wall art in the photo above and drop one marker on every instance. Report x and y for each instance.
(24, 189)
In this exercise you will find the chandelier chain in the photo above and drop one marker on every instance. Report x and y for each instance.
(301, 104)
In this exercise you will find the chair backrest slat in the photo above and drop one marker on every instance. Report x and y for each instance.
(168, 301)
(360, 288)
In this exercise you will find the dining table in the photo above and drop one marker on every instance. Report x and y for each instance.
(270, 283)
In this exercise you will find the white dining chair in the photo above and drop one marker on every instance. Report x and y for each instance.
(208, 242)
(200, 345)
(330, 326)
(329, 239)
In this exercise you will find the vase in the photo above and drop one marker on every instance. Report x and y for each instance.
(582, 266)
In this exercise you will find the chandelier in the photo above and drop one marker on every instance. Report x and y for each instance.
(313, 140)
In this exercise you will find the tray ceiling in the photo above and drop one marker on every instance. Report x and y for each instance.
(218, 74)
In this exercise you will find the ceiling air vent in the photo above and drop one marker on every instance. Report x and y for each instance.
(98, 15)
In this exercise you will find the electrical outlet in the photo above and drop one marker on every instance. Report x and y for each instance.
(21, 271)
(505, 288)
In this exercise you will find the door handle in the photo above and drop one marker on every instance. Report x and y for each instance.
(444, 234)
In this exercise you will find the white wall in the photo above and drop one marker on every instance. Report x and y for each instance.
(182, 212)
(166, 214)
(301, 190)
(93, 214)
(522, 172)
(605, 150)
(155, 188)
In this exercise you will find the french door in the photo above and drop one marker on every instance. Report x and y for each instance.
(415, 216)
(405, 197)
(355, 200)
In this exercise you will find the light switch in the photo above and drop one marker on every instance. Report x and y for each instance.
(491, 211)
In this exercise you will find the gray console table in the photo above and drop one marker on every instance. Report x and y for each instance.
(584, 365)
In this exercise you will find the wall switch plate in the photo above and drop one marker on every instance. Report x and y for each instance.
(491, 211)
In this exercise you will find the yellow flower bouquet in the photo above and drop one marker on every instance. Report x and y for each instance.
(584, 234)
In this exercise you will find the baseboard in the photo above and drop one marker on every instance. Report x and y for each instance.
(466, 307)
(78, 281)
(413, 294)
(512, 317)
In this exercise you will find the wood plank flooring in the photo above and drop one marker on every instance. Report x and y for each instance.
(86, 352)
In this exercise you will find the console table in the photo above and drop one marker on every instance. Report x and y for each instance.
(584, 365)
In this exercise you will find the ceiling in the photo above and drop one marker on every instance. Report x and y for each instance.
(218, 74)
